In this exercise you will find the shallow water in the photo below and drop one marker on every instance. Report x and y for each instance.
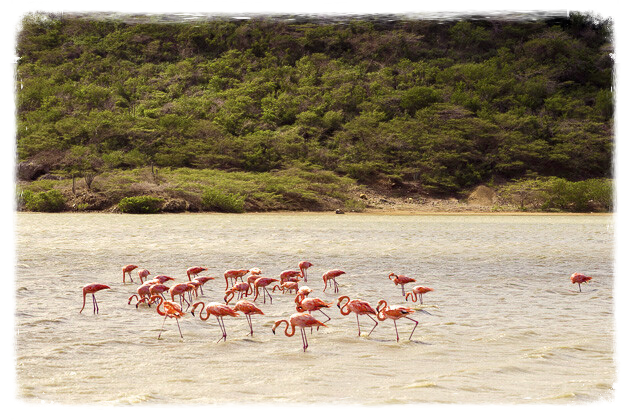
(505, 324)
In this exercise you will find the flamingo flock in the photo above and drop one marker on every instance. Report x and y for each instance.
(152, 291)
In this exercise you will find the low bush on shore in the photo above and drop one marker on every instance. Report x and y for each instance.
(142, 205)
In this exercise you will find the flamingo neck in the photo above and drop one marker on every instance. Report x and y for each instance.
(344, 308)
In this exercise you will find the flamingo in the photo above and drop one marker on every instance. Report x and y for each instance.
(241, 288)
(203, 280)
(263, 282)
(302, 293)
(158, 289)
(256, 271)
(313, 304)
(248, 308)
(300, 320)
(128, 269)
(219, 310)
(143, 294)
(418, 290)
(233, 275)
(579, 278)
(331, 275)
(287, 286)
(394, 313)
(194, 271)
(401, 280)
(171, 310)
(359, 307)
(91, 289)
(287, 274)
(143, 274)
(179, 289)
(250, 280)
(163, 279)
(304, 265)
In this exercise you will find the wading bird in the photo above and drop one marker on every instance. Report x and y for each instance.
(128, 269)
(179, 289)
(143, 293)
(219, 310)
(287, 286)
(302, 293)
(91, 289)
(394, 313)
(163, 279)
(143, 275)
(248, 308)
(158, 289)
(194, 271)
(171, 310)
(304, 265)
(288, 274)
(358, 307)
(263, 282)
(331, 276)
(579, 278)
(401, 280)
(313, 304)
(301, 321)
(241, 288)
(417, 291)
(233, 275)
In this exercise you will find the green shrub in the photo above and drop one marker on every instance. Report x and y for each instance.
(144, 204)
(51, 201)
(216, 200)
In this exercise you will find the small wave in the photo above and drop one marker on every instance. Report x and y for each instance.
(421, 385)
(563, 396)
(134, 399)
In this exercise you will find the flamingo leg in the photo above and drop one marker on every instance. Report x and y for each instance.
(580, 287)
(329, 317)
(403, 289)
(414, 328)
(94, 303)
(420, 298)
(397, 338)
(162, 327)
(358, 325)
(304, 340)
(270, 298)
(375, 323)
(201, 288)
(325, 285)
(180, 330)
(251, 328)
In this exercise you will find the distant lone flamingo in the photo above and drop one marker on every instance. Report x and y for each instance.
(394, 313)
(358, 307)
(301, 321)
(418, 290)
(304, 265)
(219, 310)
(579, 278)
(128, 269)
(248, 308)
(401, 280)
(331, 276)
(91, 289)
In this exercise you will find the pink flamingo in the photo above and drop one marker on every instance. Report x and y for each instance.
(158, 289)
(171, 310)
(302, 293)
(418, 290)
(219, 310)
(128, 269)
(287, 286)
(194, 271)
(263, 282)
(358, 307)
(143, 274)
(91, 289)
(203, 280)
(331, 276)
(256, 271)
(248, 308)
(163, 279)
(251, 280)
(394, 313)
(301, 321)
(143, 294)
(233, 275)
(179, 289)
(287, 274)
(313, 304)
(579, 278)
(304, 265)
(241, 288)
(401, 280)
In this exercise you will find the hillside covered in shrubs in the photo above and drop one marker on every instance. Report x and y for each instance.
(305, 114)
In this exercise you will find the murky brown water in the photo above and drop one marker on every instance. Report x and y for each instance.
(507, 326)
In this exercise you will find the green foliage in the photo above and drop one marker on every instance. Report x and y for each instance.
(144, 204)
(217, 200)
(50, 201)
(437, 105)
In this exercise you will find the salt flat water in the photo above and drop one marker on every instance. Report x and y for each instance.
(505, 324)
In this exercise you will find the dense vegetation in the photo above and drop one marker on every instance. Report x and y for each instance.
(425, 107)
